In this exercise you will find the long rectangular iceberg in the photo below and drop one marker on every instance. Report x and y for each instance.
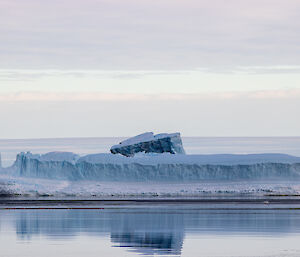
(156, 167)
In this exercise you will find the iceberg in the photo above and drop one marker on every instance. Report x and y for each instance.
(150, 165)
(63, 174)
(156, 167)
(150, 143)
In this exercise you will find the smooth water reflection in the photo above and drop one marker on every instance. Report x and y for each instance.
(150, 231)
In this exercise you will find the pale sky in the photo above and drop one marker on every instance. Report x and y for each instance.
(118, 68)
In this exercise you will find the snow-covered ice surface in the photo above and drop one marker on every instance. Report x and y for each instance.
(65, 188)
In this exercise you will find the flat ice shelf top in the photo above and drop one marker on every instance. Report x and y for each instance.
(53, 156)
(145, 137)
(214, 159)
(166, 158)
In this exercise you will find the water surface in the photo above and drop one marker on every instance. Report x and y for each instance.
(153, 230)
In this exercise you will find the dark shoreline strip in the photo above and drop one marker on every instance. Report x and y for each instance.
(84, 202)
(52, 208)
(202, 209)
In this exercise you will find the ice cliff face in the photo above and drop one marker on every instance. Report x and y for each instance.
(150, 143)
(165, 167)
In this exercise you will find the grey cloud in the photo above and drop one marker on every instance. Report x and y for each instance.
(31, 75)
(160, 35)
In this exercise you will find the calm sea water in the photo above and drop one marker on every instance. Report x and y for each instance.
(150, 230)
(193, 145)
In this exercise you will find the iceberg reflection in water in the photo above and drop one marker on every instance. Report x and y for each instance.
(146, 232)
(151, 231)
